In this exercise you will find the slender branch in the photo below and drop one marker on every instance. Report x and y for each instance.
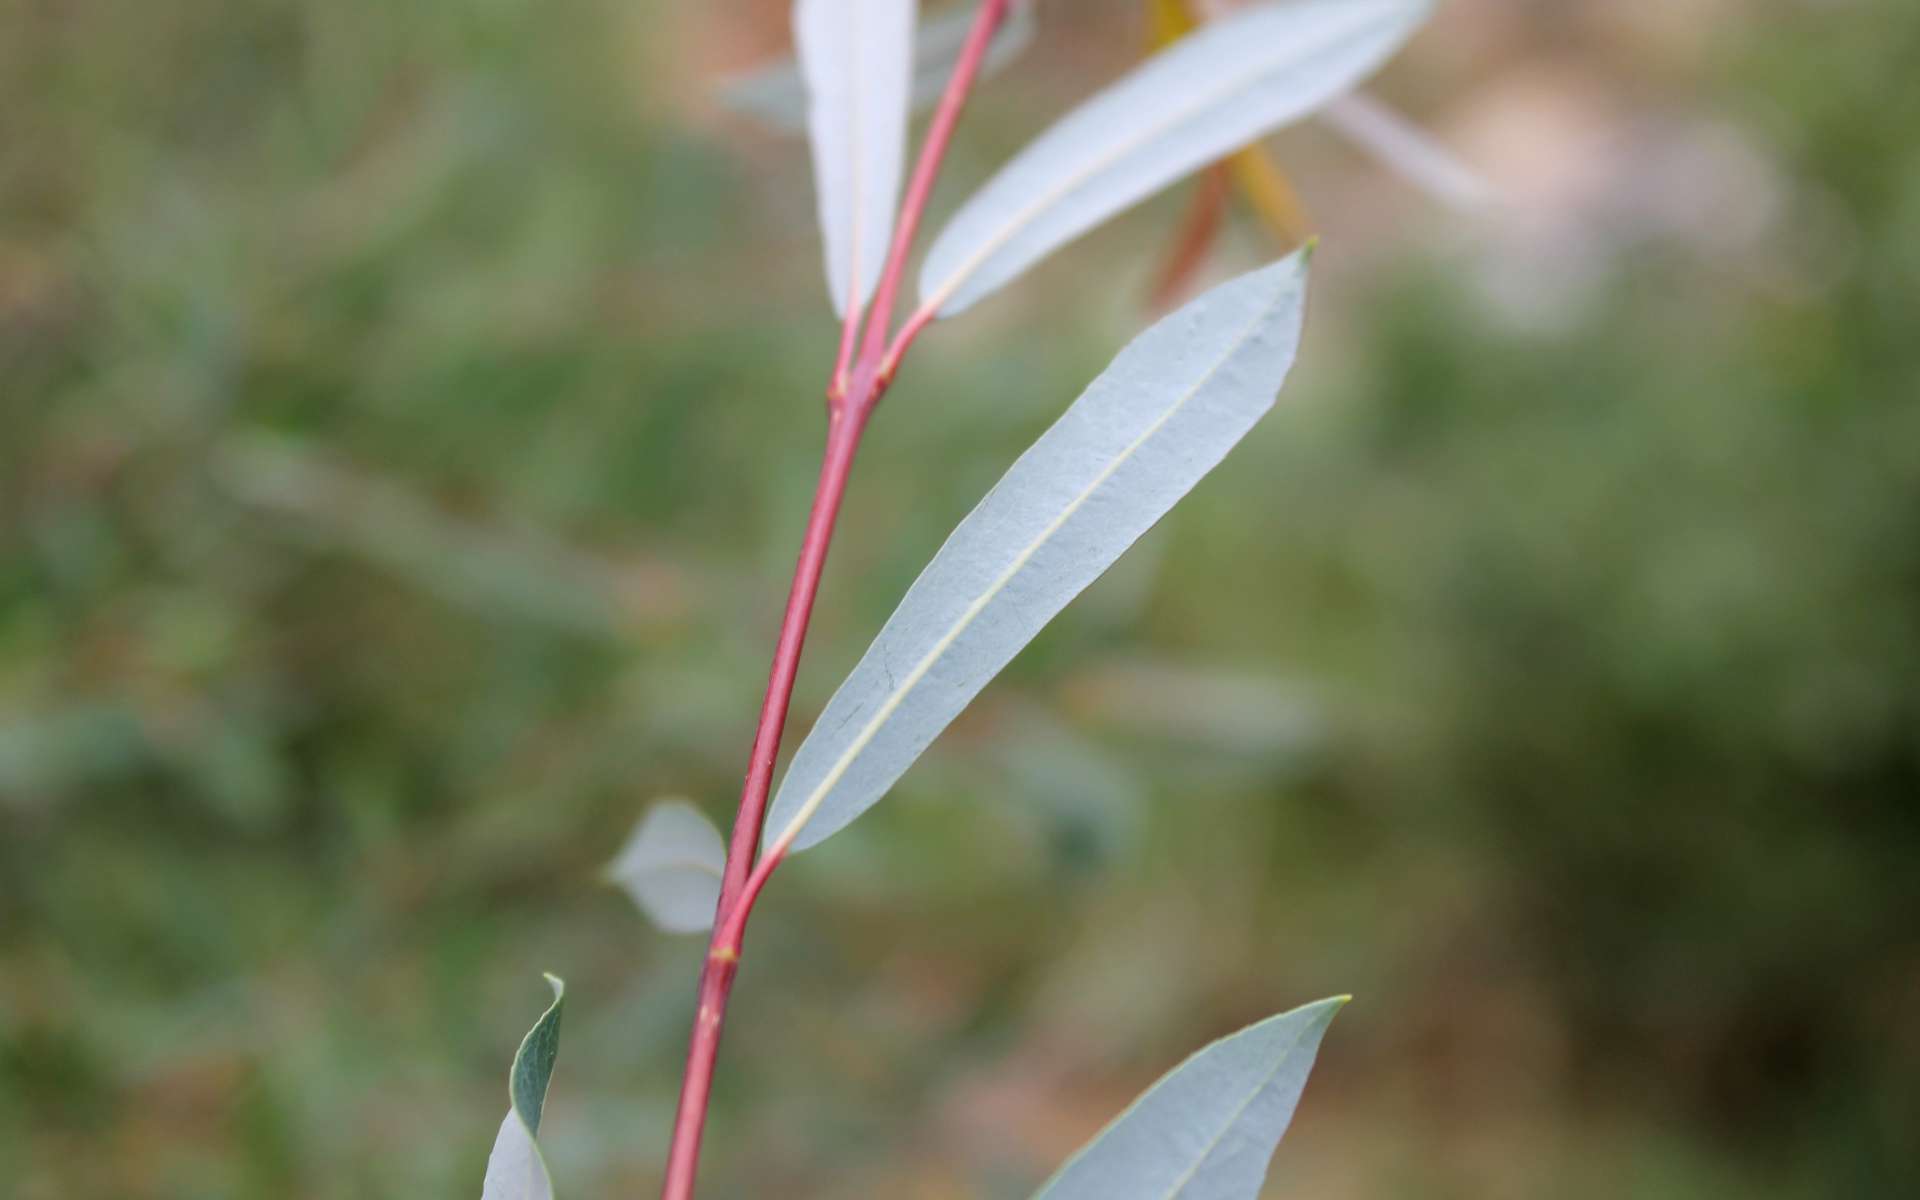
(857, 385)
(910, 329)
(723, 952)
(843, 362)
(920, 189)
(1197, 235)
(843, 440)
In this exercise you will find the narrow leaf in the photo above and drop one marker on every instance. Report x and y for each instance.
(1258, 177)
(1168, 409)
(1208, 1129)
(857, 59)
(1411, 152)
(1209, 94)
(516, 1170)
(776, 96)
(671, 866)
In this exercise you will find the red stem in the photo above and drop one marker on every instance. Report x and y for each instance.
(855, 389)
(723, 952)
(843, 439)
(1197, 234)
(843, 362)
(910, 329)
(920, 188)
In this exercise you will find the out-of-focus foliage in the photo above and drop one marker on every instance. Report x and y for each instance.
(409, 412)
(671, 867)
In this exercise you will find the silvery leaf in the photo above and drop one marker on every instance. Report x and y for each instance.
(776, 96)
(1208, 1129)
(671, 866)
(856, 57)
(1205, 96)
(1163, 415)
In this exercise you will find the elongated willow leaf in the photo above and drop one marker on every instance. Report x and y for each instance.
(1168, 409)
(1209, 94)
(516, 1171)
(1208, 1129)
(857, 59)
(776, 95)
(1260, 180)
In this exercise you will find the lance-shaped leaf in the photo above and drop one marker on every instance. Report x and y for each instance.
(516, 1170)
(1209, 94)
(1260, 180)
(1168, 409)
(1208, 1129)
(671, 867)
(857, 59)
(776, 95)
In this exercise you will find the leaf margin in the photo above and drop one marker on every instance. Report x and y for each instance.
(1325, 1011)
(527, 1082)
(854, 205)
(1291, 274)
(948, 280)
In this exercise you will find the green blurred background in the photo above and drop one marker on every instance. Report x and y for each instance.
(410, 410)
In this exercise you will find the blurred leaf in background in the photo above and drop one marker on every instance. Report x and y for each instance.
(409, 413)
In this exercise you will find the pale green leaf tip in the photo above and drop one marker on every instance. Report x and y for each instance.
(1324, 1011)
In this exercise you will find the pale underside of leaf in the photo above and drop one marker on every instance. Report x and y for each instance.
(1260, 180)
(1370, 125)
(516, 1170)
(777, 96)
(1207, 1130)
(671, 866)
(1163, 415)
(856, 57)
(1213, 92)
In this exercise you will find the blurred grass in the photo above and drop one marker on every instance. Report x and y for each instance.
(410, 414)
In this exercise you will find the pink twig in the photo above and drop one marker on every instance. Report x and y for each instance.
(723, 952)
(922, 317)
(843, 362)
(920, 188)
(856, 387)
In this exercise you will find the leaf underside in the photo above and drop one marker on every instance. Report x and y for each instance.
(1204, 97)
(1208, 1129)
(1168, 409)
(856, 57)
(777, 96)
(671, 867)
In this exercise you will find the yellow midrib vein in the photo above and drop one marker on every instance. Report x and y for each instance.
(894, 700)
